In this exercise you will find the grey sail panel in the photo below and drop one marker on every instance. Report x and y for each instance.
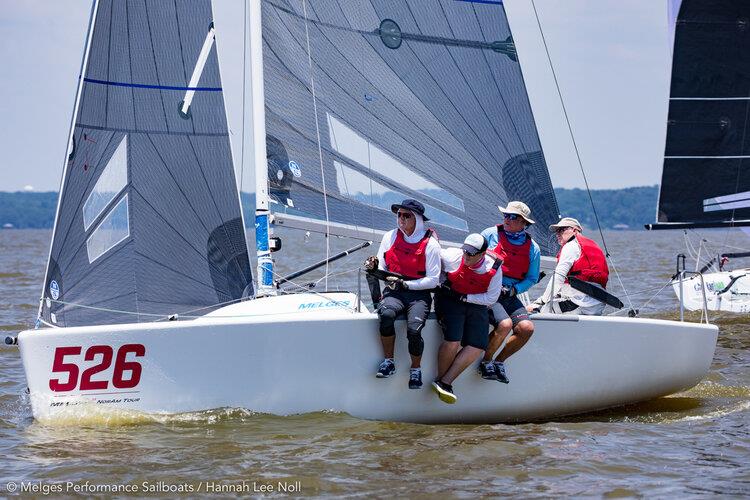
(706, 177)
(437, 111)
(149, 220)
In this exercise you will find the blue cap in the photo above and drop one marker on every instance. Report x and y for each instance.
(412, 205)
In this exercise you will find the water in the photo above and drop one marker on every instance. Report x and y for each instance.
(693, 443)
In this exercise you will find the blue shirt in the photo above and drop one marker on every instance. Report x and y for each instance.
(535, 259)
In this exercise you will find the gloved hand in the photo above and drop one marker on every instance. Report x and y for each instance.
(447, 290)
(507, 291)
(395, 283)
(371, 263)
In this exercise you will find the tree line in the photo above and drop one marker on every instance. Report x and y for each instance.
(627, 208)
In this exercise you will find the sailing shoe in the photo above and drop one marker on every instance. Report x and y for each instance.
(487, 370)
(386, 368)
(415, 378)
(444, 392)
(500, 372)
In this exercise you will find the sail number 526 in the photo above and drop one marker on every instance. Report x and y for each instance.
(126, 374)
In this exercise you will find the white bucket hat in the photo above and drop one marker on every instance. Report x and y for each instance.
(518, 208)
(566, 222)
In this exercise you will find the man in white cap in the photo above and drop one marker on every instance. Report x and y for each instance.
(413, 251)
(521, 261)
(580, 257)
(471, 282)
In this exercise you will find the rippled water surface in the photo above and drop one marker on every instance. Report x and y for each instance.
(693, 443)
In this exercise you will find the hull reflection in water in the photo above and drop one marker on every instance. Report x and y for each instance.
(304, 353)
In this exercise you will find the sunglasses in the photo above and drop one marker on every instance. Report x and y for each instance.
(405, 215)
(561, 230)
(511, 216)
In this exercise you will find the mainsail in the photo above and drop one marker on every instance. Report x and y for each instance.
(368, 102)
(149, 219)
(706, 181)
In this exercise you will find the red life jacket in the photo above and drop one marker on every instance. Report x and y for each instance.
(406, 258)
(466, 281)
(591, 266)
(515, 258)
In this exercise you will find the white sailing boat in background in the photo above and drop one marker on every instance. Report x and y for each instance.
(355, 103)
(706, 178)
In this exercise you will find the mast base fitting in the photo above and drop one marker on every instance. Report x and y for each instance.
(274, 243)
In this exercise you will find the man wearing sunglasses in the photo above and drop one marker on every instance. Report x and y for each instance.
(412, 251)
(521, 260)
(471, 282)
(579, 257)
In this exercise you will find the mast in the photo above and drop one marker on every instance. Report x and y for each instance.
(265, 263)
(69, 148)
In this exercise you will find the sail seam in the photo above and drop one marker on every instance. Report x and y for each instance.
(149, 86)
(156, 65)
(152, 132)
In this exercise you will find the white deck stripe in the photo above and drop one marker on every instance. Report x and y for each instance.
(198, 70)
(706, 157)
(709, 98)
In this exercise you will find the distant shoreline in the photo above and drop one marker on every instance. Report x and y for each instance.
(618, 209)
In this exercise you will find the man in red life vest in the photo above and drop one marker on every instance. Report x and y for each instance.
(521, 261)
(579, 257)
(472, 280)
(412, 251)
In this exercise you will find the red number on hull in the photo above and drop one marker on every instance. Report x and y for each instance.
(133, 367)
(122, 367)
(86, 383)
(59, 366)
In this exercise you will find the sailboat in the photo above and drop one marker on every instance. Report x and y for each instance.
(705, 181)
(148, 302)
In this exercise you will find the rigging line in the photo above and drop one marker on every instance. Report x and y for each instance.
(244, 94)
(578, 155)
(317, 132)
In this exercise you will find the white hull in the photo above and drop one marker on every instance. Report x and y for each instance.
(736, 299)
(283, 358)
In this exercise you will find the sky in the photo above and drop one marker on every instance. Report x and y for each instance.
(611, 58)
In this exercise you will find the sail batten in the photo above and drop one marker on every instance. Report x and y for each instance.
(149, 220)
(413, 99)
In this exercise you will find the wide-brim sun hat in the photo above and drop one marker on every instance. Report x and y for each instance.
(518, 208)
(411, 205)
(566, 222)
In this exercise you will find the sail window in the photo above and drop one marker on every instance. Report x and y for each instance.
(113, 229)
(112, 180)
(728, 202)
(349, 143)
(390, 33)
(360, 188)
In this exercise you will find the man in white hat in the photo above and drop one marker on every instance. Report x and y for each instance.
(580, 257)
(471, 281)
(521, 261)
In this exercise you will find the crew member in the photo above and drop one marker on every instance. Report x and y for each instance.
(579, 257)
(471, 282)
(521, 260)
(414, 252)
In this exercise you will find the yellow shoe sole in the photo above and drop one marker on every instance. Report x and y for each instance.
(445, 396)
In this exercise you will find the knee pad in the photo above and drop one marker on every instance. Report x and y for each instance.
(416, 343)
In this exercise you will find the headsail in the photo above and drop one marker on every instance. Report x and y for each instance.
(149, 219)
(372, 101)
(706, 178)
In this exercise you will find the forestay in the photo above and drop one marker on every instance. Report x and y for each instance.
(706, 181)
(368, 102)
(149, 218)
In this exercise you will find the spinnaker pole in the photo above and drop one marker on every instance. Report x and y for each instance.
(262, 213)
